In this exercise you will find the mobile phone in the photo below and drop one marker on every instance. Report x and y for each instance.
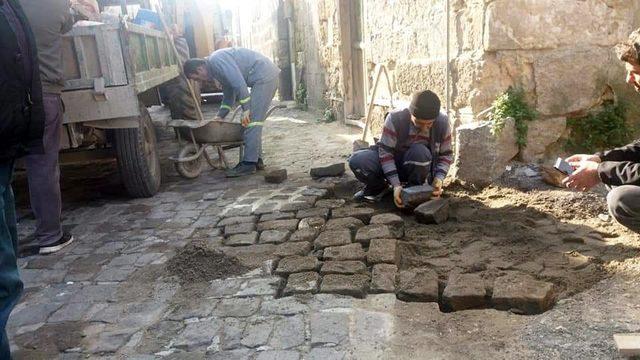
(563, 166)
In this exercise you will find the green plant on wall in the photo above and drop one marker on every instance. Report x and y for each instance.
(512, 104)
(301, 96)
(328, 116)
(599, 130)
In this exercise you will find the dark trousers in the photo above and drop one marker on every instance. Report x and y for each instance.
(10, 284)
(43, 174)
(624, 205)
(413, 166)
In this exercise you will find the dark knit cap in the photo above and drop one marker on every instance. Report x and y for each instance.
(425, 105)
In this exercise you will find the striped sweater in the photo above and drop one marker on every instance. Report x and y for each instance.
(399, 133)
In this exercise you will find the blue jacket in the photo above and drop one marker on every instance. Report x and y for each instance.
(237, 69)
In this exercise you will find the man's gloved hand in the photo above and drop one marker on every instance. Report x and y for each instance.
(437, 187)
(246, 118)
(397, 196)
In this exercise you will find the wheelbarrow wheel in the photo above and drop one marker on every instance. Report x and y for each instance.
(189, 169)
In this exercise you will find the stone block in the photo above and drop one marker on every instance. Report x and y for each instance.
(352, 285)
(482, 157)
(295, 264)
(242, 239)
(302, 283)
(330, 203)
(266, 208)
(308, 234)
(346, 252)
(278, 355)
(328, 171)
(416, 195)
(522, 293)
(257, 333)
(234, 220)
(540, 135)
(274, 236)
(344, 223)
(387, 219)
(332, 238)
(465, 291)
(197, 334)
(435, 211)
(312, 222)
(366, 233)
(343, 267)
(237, 307)
(242, 228)
(313, 212)
(290, 225)
(362, 213)
(383, 278)
(267, 286)
(276, 176)
(417, 285)
(329, 328)
(277, 216)
(293, 248)
(382, 251)
(288, 332)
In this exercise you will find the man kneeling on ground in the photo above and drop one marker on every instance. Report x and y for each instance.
(414, 149)
(619, 168)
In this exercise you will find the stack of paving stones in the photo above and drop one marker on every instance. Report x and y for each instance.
(324, 245)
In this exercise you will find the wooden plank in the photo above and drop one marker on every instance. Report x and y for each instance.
(628, 344)
(145, 80)
(81, 105)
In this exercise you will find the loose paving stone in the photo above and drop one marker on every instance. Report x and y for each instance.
(346, 252)
(434, 211)
(343, 267)
(465, 291)
(276, 176)
(274, 236)
(329, 328)
(417, 285)
(234, 220)
(288, 332)
(296, 206)
(327, 171)
(322, 353)
(350, 223)
(366, 233)
(197, 334)
(313, 212)
(257, 333)
(242, 239)
(416, 195)
(330, 203)
(302, 283)
(383, 278)
(318, 193)
(312, 222)
(235, 307)
(332, 238)
(293, 248)
(277, 216)
(308, 234)
(362, 213)
(387, 219)
(294, 264)
(382, 251)
(278, 355)
(352, 285)
(522, 293)
(279, 225)
(243, 228)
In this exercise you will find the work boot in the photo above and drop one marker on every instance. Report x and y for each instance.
(65, 240)
(242, 169)
(260, 165)
(371, 195)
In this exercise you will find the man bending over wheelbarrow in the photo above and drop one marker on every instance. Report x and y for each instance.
(236, 69)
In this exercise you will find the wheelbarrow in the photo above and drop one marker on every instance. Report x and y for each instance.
(194, 137)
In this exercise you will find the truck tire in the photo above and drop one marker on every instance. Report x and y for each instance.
(138, 160)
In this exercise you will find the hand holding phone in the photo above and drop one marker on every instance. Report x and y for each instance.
(563, 166)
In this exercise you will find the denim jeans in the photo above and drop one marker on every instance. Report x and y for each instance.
(10, 284)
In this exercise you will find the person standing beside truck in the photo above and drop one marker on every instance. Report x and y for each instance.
(21, 126)
(49, 21)
(237, 69)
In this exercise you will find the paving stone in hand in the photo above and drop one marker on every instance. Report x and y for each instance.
(302, 283)
(308, 234)
(242, 239)
(346, 252)
(291, 225)
(312, 222)
(465, 291)
(242, 228)
(294, 264)
(522, 293)
(366, 233)
(332, 238)
(274, 236)
(350, 223)
(383, 278)
(387, 219)
(330, 203)
(382, 251)
(362, 213)
(293, 248)
(343, 267)
(352, 285)
(417, 285)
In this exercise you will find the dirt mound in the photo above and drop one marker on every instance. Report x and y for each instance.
(197, 262)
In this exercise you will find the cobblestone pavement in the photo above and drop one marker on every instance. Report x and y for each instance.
(321, 283)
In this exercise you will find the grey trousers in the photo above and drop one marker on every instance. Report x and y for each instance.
(624, 205)
(43, 174)
(413, 166)
(261, 96)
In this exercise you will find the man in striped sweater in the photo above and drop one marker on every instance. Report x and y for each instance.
(415, 148)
